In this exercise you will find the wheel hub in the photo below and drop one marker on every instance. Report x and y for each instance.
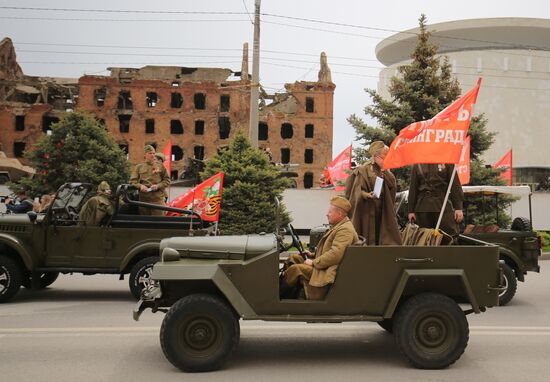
(4, 279)
(432, 332)
(200, 334)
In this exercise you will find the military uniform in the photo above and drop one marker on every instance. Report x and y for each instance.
(96, 209)
(429, 183)
(328, 255)
(149, 174)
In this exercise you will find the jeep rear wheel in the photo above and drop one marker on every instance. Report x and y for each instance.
(10, 278)
(431, 331)
(510, 283)
(199, 333)
(140, 276)
(46, 279)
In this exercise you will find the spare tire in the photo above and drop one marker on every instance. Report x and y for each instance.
(521, 224)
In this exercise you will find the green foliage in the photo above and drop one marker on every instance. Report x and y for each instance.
(250, 186)
(422, 89)
(79, 150)
(545, 238)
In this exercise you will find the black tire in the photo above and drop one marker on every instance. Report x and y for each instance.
(387, 325)
(431, 331)
(10, 278)
(140, 275)
(521, 224)
(199, 333)
(46, 279)
(511, 284)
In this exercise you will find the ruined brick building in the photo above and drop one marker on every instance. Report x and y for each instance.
(198, 109)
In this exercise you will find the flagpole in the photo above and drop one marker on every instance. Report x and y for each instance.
(192, 210)
(436, 232)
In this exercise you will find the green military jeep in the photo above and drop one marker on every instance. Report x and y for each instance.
(207, 284)
(520, 247)
(36, 248)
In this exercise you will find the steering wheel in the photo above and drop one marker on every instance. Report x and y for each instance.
(295, 239)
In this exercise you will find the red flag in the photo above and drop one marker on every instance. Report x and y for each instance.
(167, 151)
(505, 162)
(204, 199)
(437, 140)
(463, 167)
(337, 168)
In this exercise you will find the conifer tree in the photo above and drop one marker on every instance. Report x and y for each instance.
(251, 184)
(423, 88)
(79, 149)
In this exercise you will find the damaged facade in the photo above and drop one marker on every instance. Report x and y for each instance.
(198, 110)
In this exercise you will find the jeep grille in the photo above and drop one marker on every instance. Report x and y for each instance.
(13, 228)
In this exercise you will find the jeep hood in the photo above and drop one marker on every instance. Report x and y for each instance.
(221, 247)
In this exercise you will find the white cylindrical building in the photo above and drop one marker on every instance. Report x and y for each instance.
(513, 57)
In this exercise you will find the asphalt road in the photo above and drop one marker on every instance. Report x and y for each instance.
(81, 329)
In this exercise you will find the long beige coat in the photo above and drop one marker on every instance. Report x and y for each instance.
(330, 251)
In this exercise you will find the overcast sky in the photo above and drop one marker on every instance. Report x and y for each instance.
(290, 48)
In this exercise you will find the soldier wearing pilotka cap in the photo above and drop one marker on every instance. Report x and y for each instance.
(318, 271)
(152, 179)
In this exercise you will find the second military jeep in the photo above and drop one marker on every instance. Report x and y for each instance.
(207, 284)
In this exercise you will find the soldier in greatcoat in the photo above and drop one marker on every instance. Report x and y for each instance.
(97, 208)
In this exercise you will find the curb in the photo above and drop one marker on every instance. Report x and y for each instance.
(545, 256)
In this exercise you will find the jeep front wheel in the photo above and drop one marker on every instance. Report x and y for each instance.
(140, 275)
(510, 283)
(199, 333)
(10, 278)
(431, 331)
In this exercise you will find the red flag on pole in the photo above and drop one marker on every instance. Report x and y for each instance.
(337, 168)
(204, 199)
(505, 162)
(463, 167)
(437, 140)
(167, 151)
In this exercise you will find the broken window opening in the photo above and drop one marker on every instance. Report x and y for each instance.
(310, 105)
(152, 99)
(125, 148)
(309, 130)
(285, 155)
(199, 127)
(149, 126)
(287, 131)
(177, 153)
(124, 122)
(47, 123)
(18, 149)
(225, 103)
(263, 131)
(198, 152)
(125, 100)
(176, 127)
(225, 127)
(99, 96)
(19, 122)
(174, 175)
(200, 101)
(308, 156)
(308, 180)
(176, 101)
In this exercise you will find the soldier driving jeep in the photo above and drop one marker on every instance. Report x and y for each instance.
(317, 271)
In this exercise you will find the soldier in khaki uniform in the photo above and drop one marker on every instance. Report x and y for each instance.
(429, 183)
(98, 207)
(318, 271)
(152, 179)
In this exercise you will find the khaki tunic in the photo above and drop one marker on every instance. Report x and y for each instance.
(96, 209)
(150, 174)
(328, 255)
(429, 183)
(374, 219)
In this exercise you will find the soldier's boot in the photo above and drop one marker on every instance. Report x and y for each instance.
(287, 291)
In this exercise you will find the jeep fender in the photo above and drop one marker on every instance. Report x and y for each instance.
(208, 272)
(148, 246)
(513, 261)
(21, 249)
(411, 273)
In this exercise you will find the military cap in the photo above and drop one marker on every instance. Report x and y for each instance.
(103, 187)
(375, 147)
(160, 156)
(341, 202)
(148, 148)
